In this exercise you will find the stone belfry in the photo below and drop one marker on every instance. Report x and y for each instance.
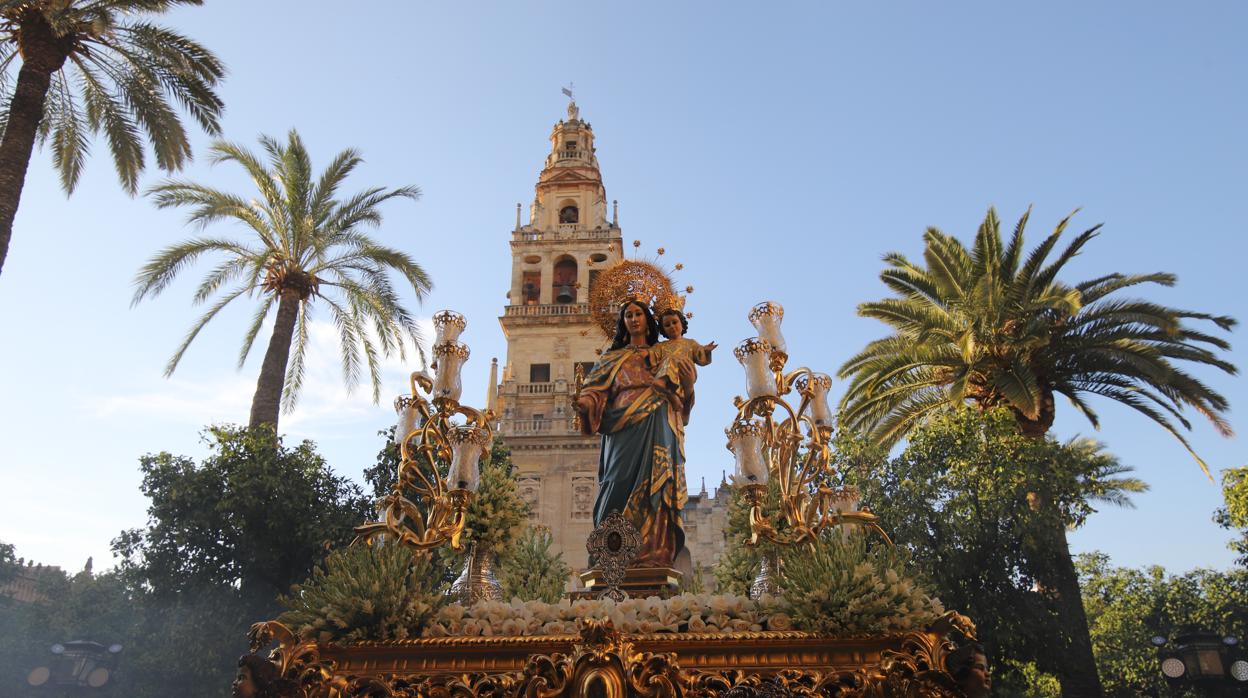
(549, 331)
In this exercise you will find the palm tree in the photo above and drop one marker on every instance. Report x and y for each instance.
(305, 246)
(991, 327)
(86, 70)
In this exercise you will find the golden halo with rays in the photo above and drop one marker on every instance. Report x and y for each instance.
(628, 279)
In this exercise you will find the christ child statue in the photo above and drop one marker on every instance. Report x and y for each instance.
(675, 359)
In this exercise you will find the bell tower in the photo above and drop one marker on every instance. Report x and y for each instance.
(549, 332)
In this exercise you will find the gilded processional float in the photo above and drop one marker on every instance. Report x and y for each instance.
(830, 612)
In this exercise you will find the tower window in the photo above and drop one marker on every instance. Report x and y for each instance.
(539, 373)
(570, 145)
(530, 287)
(565, 281)
(569, 214)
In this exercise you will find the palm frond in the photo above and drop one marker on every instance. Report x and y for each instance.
(996, 326)
(253, 329)
(293, 385)
(199, 325)
(162, 268)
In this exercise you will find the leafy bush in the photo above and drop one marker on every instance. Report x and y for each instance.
(529, 571)
(496, 513)
(365, 593)
(841, 586)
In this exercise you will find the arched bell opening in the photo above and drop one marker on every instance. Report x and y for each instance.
(564, 281)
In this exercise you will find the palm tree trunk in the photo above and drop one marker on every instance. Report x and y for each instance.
(43, 53)
(266, 405)
(1075, 664)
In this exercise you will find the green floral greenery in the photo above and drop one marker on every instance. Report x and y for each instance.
(839, 585)
(529, 571)
(365, 593)
(496, 513)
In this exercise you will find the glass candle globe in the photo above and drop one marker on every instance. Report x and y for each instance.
(766, 317)
(745, 440)
(467, 445)
(754, 354)
(450, 357)
(448, 324)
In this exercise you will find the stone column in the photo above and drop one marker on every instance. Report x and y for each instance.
(548, 279)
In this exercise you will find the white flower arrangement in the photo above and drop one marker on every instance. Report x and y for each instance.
(688, 613)
(838, 587)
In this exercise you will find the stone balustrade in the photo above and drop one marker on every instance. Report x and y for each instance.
(573, 231)
(547, 309)
(522, 427)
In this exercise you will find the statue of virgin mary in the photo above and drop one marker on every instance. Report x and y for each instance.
(641, 468)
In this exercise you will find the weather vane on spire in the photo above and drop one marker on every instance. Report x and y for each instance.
(574, 113)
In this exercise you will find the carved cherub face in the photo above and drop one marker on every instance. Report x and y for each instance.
(243, 686)
(671, 326)
(977, 682)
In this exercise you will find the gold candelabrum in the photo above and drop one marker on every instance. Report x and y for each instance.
(771, 440)
(439, 458)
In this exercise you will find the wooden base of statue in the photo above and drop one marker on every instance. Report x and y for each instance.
(638, 583)
(602, 661)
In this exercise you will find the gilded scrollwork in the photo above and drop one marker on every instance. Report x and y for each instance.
(603, 662)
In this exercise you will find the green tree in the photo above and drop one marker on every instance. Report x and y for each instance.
(306, 246)
(528, 570)
(1127, 606)
(992, 326)
(1235, 514)
(8, 562)
(89, 67)
(957, 499)
(254, 514)
(184, 646)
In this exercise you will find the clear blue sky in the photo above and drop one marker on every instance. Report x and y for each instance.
(778, 152)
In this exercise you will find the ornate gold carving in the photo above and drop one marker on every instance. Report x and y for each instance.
(437, 515)
(795, 445)
(601, 662)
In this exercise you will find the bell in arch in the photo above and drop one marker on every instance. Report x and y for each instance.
(566, 294)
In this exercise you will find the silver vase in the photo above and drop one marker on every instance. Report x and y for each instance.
(767, 581)
(477, 582)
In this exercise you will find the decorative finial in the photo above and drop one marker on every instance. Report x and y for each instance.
(574, 112)
(517, 216)
(615, 213)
